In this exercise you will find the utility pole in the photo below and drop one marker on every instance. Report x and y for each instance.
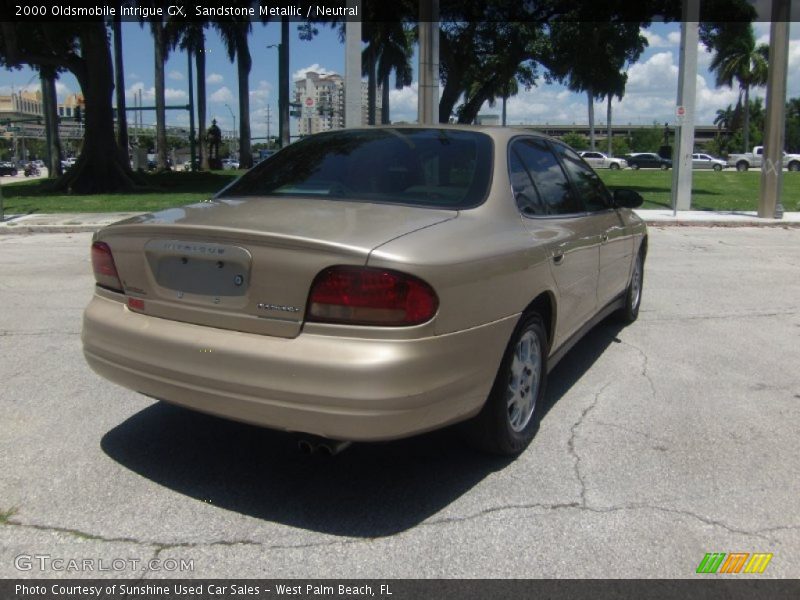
(269, 120)
(769, 202)
(687, 88)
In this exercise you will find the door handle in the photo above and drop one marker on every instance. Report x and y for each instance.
(558, 258)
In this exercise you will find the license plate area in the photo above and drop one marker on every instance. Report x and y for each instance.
(199, 268)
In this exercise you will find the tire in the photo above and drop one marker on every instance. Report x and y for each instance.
(635, 167)
(718, 168)
(614, 167)
(507, 422)
(633, 296)
(794, 166)
(742, 166)
(664, 167)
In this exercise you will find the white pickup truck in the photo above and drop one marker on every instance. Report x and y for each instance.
(742, 162)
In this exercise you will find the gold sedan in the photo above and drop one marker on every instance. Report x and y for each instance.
(371, 284)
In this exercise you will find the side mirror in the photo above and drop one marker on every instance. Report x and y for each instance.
(628, 199)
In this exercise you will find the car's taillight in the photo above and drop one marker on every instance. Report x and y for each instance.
(370, 296)
(105, 271)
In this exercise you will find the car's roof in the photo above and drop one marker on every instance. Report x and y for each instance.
(497, 132)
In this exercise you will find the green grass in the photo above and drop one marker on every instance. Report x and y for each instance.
(727, 190)
(163, 190)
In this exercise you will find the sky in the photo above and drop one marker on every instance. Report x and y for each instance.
(650, 94)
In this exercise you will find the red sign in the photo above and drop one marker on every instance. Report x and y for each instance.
(309, 102)
(680, 111)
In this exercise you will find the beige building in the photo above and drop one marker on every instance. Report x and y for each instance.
(25, 105)
(321, 100)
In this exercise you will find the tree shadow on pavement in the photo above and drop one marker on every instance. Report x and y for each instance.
(368, 490)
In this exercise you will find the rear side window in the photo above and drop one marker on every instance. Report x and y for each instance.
(591, 190)
(553, 192)
(439, 168)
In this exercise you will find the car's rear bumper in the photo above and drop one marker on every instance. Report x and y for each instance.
(338, 387)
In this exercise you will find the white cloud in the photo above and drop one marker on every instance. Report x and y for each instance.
(656, 41)
(222, 95)
(132, 76)
(301, 73)
(260, 95)
(215, 79)
(149, 94)
(175, 76)
(403, 104)
(674, 38)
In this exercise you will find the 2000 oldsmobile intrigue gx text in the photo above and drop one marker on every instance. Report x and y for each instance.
(371, 284)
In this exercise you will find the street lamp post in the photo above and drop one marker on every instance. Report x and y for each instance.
(283, 97)
(236, 145)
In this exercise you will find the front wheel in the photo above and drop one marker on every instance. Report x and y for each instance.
(635, 167)
(718, 167)
(614, 167)
(742, 166)
(794, 166)
(633, 297)
(510, 417)
(664, 167)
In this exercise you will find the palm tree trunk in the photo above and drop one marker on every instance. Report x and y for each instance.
(161, 114)
(746, 119)
(244, 64)
(119, 82)
(590, 97)
(200, 64)
(385, 120)
(608, 126)
(50, 106)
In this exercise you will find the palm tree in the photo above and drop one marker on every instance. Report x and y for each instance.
(724, 118)
(160, 54)
(234, 34)
(191, 36)
(746, 64)
(395, 55)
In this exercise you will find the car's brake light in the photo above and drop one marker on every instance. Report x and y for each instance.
(370, 296)
(105, 271)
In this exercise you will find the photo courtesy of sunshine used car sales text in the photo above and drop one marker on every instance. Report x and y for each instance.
(216, 590)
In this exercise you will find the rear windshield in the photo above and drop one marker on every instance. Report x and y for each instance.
(439, 168)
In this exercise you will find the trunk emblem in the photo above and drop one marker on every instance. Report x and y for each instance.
(180, 294)
(238, 280)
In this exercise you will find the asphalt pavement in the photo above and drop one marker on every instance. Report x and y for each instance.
(662, 441)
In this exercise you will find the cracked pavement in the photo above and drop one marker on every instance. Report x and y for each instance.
(660, 441)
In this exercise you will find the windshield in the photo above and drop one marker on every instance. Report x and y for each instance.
(439, 168)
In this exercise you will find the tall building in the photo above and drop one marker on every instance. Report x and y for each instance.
(321, 100)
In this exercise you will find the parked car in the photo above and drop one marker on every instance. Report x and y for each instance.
(648, 160)
(8, 168)
(371, 284)
(598, 160)
(704, 161)
(745, 161)
(230, 163)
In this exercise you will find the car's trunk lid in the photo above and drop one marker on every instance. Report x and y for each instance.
(248, 264)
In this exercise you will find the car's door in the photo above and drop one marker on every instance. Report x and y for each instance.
(554, 216)
(594, 158)
(616, 240)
